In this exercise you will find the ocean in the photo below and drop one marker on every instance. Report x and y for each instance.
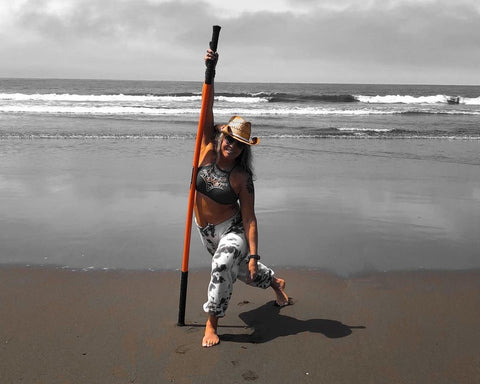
(350, 178)
(279, 110)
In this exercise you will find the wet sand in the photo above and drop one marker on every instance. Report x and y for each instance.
(61, 326)
(348, 206)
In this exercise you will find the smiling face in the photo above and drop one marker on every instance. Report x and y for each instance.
(230, 148)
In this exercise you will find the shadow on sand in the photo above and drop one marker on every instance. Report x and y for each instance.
(268, 323)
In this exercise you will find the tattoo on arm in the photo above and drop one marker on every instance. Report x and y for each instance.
(250, 187)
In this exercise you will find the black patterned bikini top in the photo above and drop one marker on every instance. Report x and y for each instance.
(215, 183)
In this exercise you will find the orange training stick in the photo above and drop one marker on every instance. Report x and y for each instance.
(209, 75)
(191, 195)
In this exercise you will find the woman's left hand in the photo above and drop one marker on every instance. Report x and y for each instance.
(253, 269)
(211, 56)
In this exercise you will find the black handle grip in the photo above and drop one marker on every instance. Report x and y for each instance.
(215, 35)
(210, 71)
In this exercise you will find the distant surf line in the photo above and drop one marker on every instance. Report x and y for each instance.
(254, 97)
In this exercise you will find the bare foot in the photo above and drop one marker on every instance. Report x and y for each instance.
(278, 286)
(211, 338)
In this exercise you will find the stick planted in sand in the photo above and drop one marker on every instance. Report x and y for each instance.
(209, 74)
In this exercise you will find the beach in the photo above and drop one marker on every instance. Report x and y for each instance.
(368, 205)
(61, 326)
(382, 266)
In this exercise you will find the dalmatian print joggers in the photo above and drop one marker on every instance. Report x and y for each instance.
(227, 244)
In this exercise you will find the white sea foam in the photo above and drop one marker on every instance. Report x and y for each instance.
(244, 103)
(403, 99)
(302, 111)
(95, 98)
(471, 100)
(82, 109)
(92, 110)
(49, 97)
(379, 130)
(254, 99)
(240, 99)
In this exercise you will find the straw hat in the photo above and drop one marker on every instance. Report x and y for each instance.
(240, 130)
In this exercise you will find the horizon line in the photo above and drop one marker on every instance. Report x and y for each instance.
(238, 82)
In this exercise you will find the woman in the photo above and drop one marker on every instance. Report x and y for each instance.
(225, 216)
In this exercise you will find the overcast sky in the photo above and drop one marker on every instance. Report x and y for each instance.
(335, 41)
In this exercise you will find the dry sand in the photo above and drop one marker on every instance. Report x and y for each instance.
(60, 326)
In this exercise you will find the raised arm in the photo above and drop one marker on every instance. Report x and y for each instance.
(209, 129)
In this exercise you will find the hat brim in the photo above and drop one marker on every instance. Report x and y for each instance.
(228, 131)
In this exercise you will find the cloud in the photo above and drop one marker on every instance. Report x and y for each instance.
(383, 31)
(104, 20)
(388, 37)
(102, 38)
(303, 40)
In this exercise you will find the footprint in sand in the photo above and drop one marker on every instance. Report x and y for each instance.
(182, 349)
(249, 376)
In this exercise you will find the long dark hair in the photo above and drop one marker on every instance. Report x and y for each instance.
(244, 160)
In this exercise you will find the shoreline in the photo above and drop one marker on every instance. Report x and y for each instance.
(206, 268)
(118, 326)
